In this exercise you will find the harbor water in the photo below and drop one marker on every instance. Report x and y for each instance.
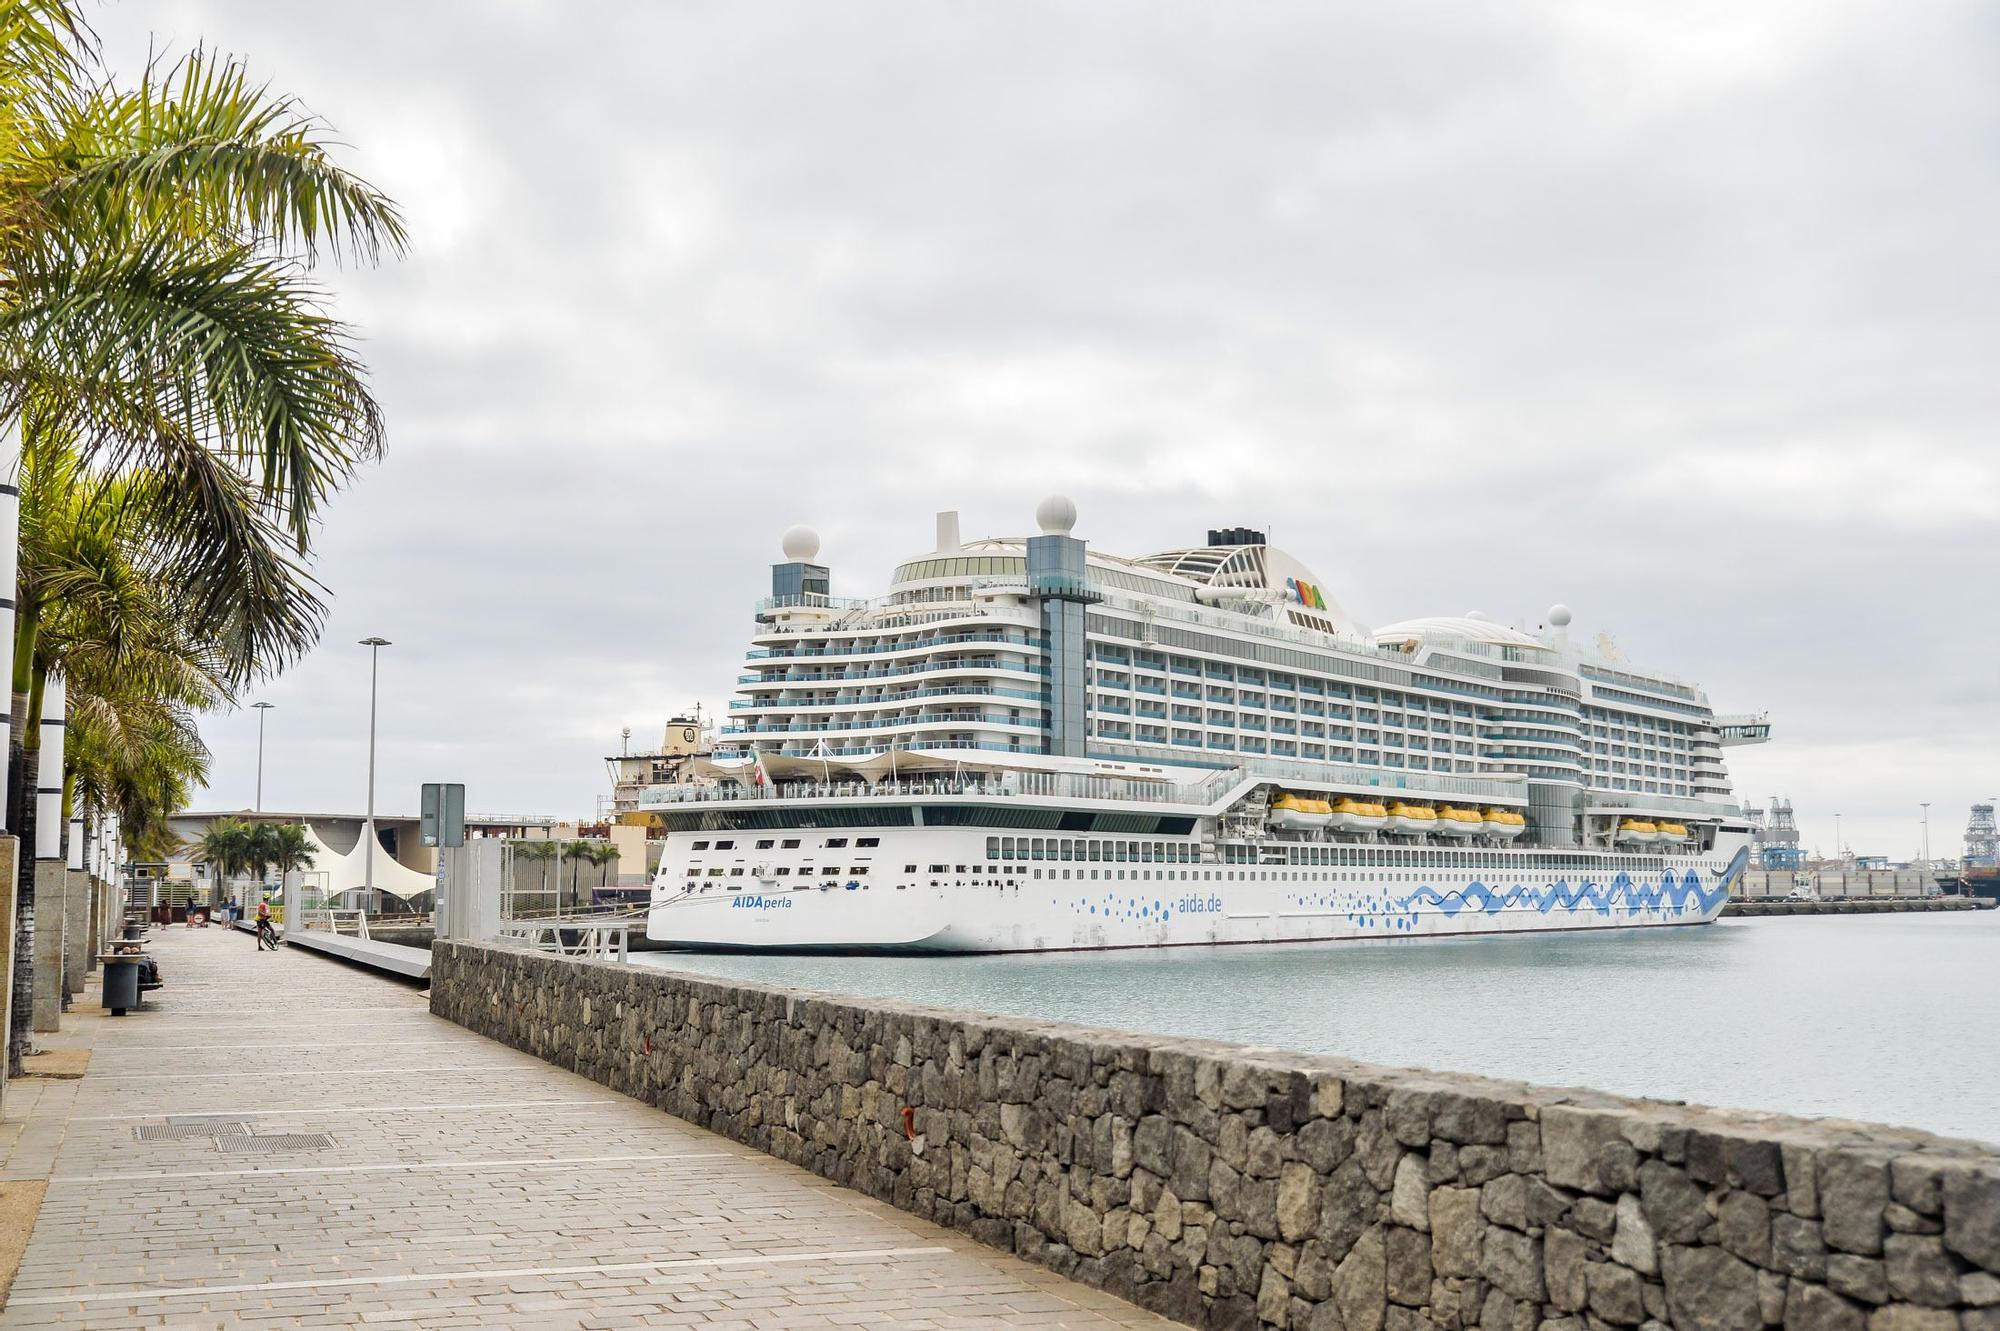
(1892, 1019)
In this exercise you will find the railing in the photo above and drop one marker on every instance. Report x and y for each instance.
(331, 921)
(886, 700)
(924, 668)
(927, 719)
(811, 601)
(918, 644)
(590, 939)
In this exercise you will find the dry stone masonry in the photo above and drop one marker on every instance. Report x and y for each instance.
(1233, 1187)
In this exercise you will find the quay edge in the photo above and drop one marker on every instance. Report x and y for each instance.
(1226, 1186)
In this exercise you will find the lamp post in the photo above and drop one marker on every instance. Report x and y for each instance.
(262, 707)
(1837, 851)
(1926, 807)
(374, 646)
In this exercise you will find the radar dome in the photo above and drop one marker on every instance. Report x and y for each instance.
(1475, 614)
(801, 544)
(1056, 515)
(1559, 616)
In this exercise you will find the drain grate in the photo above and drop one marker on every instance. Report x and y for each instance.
(242, 1143)
(180, 1130)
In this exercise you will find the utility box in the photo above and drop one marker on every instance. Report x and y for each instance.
(467, 908)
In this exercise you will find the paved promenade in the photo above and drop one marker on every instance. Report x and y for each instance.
(457, 1184)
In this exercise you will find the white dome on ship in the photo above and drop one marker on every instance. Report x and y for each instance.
(1457, 626)
(1559, 616)
(801, 544)
(1056, 515)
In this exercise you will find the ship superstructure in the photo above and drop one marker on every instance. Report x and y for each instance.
(1029, 744)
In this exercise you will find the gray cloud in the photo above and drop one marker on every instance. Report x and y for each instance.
(1682, 316)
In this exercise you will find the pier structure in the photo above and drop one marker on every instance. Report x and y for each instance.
(279, 1140)
(1231, 1187)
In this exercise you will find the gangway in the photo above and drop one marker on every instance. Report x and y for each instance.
(594, 937)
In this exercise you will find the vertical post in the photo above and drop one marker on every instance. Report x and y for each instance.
(10, 571)
(374, 646)
(262, 708)
(51, 871)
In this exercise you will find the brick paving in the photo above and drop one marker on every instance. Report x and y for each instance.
(467, 1185)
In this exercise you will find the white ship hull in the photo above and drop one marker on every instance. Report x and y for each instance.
(995, 906)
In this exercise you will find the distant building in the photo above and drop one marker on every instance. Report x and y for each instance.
(686, 739)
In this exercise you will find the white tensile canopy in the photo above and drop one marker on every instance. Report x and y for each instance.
(345, 871)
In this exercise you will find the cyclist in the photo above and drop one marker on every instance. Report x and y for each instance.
(267, 937)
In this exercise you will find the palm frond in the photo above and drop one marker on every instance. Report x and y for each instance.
(236, 349)
(199, 144)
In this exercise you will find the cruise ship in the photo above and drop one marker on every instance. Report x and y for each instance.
(1032, 745)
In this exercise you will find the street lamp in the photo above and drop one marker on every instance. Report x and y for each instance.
(1837, 851)
(262, 707)
(374, 646)
(1926, 807)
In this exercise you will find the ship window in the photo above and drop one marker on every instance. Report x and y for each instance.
(784, 871)
(737, 872)
(789, 843)
(700, 845)
(860, 842)
(715, 873)
(832, 842)
(993, 848)
(725, 845)
(909, 868)
(961, 868)
(765, 845)
(694, 873)
(938, 868)
(858, 870)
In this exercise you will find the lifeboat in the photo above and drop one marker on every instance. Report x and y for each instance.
(1412, 819)
(1299, 813)
(1359, 816)
(1637, 831)
(1453, 821)
(1671, 831)
(1503, 823)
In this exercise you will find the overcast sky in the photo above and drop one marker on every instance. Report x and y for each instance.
(1682, 315)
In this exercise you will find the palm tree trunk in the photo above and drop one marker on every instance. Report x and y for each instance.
(22, 819)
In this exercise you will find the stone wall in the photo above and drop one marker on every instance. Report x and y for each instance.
(1233, 1187)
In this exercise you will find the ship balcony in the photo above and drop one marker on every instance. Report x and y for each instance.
(925, 721)
(887, 700)
(1024, 642)
(966, 665)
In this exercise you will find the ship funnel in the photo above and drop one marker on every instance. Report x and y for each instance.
(947, 531)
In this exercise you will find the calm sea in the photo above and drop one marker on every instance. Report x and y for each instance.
(1892, 1018)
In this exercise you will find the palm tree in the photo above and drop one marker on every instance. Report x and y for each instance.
(283, 847)
(158, 327)
(227, 847)
(537, 850)
(263, 848)
(291, 848)
(599, 853)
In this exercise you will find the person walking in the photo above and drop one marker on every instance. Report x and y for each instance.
(267, 937)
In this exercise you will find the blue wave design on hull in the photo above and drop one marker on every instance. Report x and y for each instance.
(1674, 895)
